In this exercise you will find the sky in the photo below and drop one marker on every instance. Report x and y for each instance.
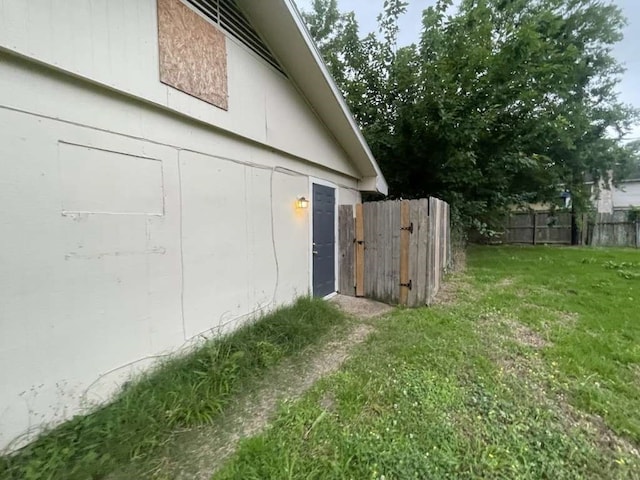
(627, 52)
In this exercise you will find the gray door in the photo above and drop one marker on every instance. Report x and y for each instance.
(324, 239)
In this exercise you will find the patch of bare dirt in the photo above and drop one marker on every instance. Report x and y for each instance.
(533, 290)
(526, 368)
(516, 365)
(505, 282)
(202, 451)
(635, 368)
(453, 288)
(567, 319)
(529, 370)
(495, 320)
(595, 427)
(563, 318)
(459, 260)
(526, 336)
(450, 290)
(328, 401)
(361, 307)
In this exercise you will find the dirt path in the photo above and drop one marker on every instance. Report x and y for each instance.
(199, 453)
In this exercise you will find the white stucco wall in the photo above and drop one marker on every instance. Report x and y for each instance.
(114, 43)
(131, 226)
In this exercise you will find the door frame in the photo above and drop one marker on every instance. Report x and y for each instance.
(336, 274)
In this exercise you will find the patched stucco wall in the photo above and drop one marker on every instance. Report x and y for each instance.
(131, 225)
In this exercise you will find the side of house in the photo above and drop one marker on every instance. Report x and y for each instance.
(624, 196)
(614, 224)
(149, 190)
(627, 195)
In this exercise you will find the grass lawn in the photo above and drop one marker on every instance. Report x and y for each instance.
(129, 437)
(532, 370)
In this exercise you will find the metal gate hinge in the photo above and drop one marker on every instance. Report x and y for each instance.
(408, 285)
(410, 228)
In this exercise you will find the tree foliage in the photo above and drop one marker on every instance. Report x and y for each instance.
(633, 169)
(503, 102)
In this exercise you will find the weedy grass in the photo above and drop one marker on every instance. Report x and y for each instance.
(531, 372)
(179, 393)
(586, 302)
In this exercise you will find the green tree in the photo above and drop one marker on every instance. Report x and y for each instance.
(506, 101)
(632, 170)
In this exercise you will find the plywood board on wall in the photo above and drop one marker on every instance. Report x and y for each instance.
(193, 53)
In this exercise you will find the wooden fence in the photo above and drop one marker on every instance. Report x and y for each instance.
(614, 230)
(538, 228)
(535, 228)
(394, 251)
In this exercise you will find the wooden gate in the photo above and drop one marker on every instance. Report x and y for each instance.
(394, 251)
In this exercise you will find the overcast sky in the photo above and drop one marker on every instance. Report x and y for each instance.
(627, 52)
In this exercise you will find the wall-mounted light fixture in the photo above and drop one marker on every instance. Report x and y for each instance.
(302, 202)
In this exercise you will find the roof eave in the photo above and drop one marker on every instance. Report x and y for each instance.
(304, 64)
(380, 184)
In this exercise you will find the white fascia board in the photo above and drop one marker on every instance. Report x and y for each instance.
(380, 183)
(284, 31)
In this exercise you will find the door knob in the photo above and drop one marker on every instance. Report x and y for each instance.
(315, 252)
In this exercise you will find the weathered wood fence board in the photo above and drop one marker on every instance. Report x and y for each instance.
(424, 237)
(614, 230)
(534, 228)
(406, 231)
(369, 209)
(433, 258)
(398, 249)
(392, 279)
(359, 259)
(606, 230)
(347, 260)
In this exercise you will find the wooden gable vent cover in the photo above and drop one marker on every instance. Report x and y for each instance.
(193, 54)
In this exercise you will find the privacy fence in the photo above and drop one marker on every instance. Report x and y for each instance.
(615, 229)
(394, 251)
(533, 228)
